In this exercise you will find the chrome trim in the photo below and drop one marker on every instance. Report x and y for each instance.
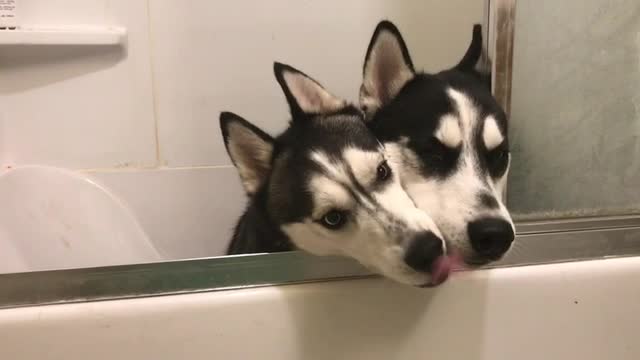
(576, 224)
(236, 272)
(486, 23)
(501, 36)
(173, 277)
(535, 249)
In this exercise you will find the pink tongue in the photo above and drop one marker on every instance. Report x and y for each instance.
(440, 270)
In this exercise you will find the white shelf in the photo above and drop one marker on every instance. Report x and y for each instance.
(64, 36)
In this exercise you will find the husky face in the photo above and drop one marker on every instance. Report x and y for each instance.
(329, 186)
(448, 136)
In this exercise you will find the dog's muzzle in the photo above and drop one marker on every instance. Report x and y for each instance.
(426, 254)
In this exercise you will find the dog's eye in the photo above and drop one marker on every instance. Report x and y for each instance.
(498, 155)
(383, 172)
(334, 219)
(498, 159)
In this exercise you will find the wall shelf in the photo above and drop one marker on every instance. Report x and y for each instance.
(64, 36)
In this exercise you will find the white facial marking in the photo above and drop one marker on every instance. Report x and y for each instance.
(364, 243)
(338, 173)
(467, 112)
(333, 169)
(381, 223)
(453, 201)
(491, 134)
(328, 195)
(363, 164)
(392, 198)
(448, 132)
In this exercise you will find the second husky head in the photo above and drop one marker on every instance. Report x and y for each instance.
(449, 137)
(329, 187)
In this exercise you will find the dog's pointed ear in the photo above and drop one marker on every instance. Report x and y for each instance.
(387, 67)
(476, 61)
(304, 94)
(250, 150)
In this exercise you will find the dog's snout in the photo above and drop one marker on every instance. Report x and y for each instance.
(488, 201)
(490, 237)
(423, 251)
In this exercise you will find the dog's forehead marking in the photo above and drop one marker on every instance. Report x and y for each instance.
(466, 111)
(448, 132)
(467, 175)
(363, 163)
(333, 169)
(327, 195)
(338, 175)
(491, 134)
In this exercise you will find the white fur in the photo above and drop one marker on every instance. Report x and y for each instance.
(328, 195)
(361, 163)
(467, 112)
(364, 243)
(448, 132)
(378, 232)
(491, 134)
(453, 202)
(334, 170)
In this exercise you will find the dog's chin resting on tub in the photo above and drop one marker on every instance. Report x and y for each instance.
(327, 186)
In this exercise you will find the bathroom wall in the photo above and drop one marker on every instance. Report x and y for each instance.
(143, 119)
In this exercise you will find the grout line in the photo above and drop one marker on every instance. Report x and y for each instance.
(153, 83)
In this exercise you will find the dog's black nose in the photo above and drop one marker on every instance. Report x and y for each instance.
(490, 237)
(423, 251)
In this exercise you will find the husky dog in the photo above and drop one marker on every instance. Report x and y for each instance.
(448, 137)
(326, 186)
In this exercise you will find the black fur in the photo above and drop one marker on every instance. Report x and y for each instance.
(415, 112)
(488, 201)
(256, 232)
(284, 197)
(412, 117)
(474, 54)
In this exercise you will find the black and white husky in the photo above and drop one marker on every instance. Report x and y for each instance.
(448, 137)
(326, 186)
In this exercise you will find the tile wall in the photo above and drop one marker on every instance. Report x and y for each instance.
(143, 119)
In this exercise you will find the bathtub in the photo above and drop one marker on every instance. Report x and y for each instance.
(574, 310)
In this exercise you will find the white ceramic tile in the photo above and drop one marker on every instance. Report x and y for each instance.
(186, 213)
(210, 56)
(79, 106)
(586, 310)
